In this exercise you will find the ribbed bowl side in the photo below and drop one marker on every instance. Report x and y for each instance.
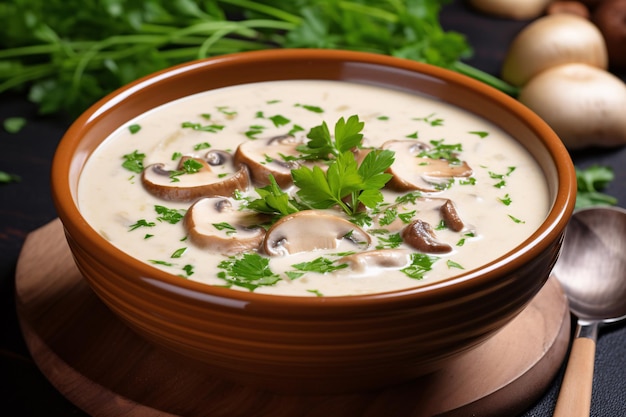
(349, 351)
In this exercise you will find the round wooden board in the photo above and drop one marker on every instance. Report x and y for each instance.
(107, 370)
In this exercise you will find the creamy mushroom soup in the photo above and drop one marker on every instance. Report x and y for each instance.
(312, 188)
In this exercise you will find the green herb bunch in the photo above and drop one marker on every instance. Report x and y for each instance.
(69, 53)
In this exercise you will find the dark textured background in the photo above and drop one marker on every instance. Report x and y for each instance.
(27, 205)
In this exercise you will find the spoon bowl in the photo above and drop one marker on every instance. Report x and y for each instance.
(592, 272)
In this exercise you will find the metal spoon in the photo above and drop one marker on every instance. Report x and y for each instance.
(592, 272)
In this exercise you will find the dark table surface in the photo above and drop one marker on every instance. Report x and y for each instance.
(27, 205)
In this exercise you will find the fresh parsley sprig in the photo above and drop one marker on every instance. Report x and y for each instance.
(250, 271)
(345, 183)
(321, 144)
(273, 200)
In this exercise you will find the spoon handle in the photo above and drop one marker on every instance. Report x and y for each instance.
(575, 395)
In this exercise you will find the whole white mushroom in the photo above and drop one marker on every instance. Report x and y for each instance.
(584, 105)
(553, 40)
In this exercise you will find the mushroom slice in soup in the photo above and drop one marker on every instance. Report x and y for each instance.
(310, 230)
(414, 172)
(451, 217)
(361, 262)
(271, 156)
(421, 236)
(214, 224)
(214, 175)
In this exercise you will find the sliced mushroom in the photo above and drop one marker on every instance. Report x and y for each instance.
(207, 181)
(361, 262)
(217, 157)
(421, 236)
(413, 172)
(310, 230)
(265, 157)
(214, 224)
(451, 217)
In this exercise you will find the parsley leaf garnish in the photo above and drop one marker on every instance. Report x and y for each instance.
(249, 271)
(200, 146)
(273, 200)
(134, 161)
(189, 269)
(420, 264)
(442, 150)
(321, 145)
(451, 264)
(480, 134)
(279, 120)
(314, 109)
(516, 220)
(141, 223)
(189, 166)
(431, 120)
(212, 128)
(393, 241)
(344, 177)
(320, 265)
(229, 228)
(171, 216)
(506, 200)
(388, 217)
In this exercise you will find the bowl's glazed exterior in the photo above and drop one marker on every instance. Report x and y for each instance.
(314, 344)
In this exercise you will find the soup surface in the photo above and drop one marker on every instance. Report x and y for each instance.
(312, 188)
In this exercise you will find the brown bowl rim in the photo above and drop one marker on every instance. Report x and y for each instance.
(550, 230)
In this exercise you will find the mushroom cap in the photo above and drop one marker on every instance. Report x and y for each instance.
(450, 216)
(265, 157)
(310, 230)
(412, 172)
(206, 182)
(421, 236)
(214, 224)
(588, 109)
(553, 40)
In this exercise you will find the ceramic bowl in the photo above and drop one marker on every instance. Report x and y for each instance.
(314, 344)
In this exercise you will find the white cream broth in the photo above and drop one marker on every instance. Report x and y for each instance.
(500, 205)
